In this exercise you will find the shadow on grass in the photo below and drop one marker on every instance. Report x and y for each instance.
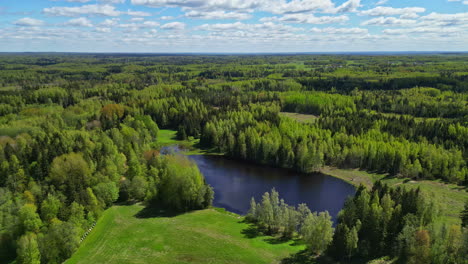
(126, 203)
(251, 231)
(151, 212)
(277, 240)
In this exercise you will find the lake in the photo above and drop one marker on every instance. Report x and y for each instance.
(235, 182)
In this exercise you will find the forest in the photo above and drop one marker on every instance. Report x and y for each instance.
(80, 133)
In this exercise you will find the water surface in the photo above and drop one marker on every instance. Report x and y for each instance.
(235, 182)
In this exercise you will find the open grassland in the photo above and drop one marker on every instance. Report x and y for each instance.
(303, 118)
(449, 197)
(167, 137)
(207, 236)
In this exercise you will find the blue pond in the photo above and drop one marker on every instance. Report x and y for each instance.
(235, 182)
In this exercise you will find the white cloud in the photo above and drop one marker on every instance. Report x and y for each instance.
(28, 22)
(206, 4)
(349, 6)
(137, 19)
(446, 19)
(132, 27)
(239, 26)
(307, 19)
(381, 2)
(102, 1)
(91, 10)
(103, 30)
(431, 20)
(272, 6)
(297, 6)
(113, 1)
(333, 30)
(138, 13)
(465, 2)
(149, 24)
(174, 26)
(79, 22)
(388, 21)
(420, 30)
(390, 11)
(110, 22)
(78, 1)
(217, 15)
(166, 17)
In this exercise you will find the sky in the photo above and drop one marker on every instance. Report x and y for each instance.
(233, 26)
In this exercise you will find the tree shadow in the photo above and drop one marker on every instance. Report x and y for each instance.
(126, 203)
(297, 242)
(277, 240)
(251, 231)
(154, 211)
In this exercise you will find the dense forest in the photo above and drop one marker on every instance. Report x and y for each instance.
(79, 133)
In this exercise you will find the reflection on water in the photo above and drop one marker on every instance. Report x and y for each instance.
(235, 182)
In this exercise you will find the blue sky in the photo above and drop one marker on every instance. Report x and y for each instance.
(233, 25)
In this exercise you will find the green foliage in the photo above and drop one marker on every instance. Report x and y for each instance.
(395, 222)
(59, 242)
(464, 215)
(28, 250)
(318, 103)
(276, 216)
(50, 208)
(317, 231)
(182, 186)
(71, 174)
(79, 132)
(31, 222)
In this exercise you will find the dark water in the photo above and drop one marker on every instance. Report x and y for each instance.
(235, 182)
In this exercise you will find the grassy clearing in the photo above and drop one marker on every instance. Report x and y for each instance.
(450, 197)
(168, 137)
(303, 118)
(206, 236)
(9, 88)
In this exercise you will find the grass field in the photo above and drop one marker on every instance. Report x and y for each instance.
(449, 197)
(168, 137)
(206, 236)
(303, 118)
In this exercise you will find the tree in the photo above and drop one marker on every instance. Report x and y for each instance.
(106, 192)
(50, 208)
(420, 250)
(351, 242)
(182, 185)
(138, 188)
(29, 218)
(287, 219)
(59, 242)
(28, 250)
(464, 215)
(266, 214)
(303, 213)
(72, 174)
(77, 215)
(111, 114)
(253, 214)
(317, 231)
(16, 178)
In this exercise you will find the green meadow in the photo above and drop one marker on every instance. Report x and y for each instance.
(122, 235)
